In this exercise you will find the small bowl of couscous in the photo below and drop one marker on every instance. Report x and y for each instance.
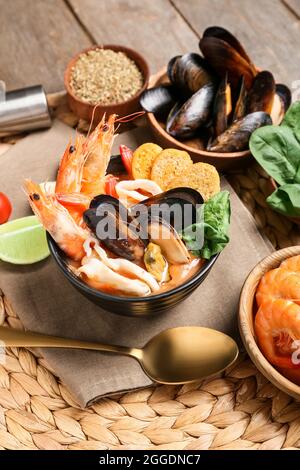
(105, 79)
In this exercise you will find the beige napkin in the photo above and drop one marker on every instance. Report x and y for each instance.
(46, 302)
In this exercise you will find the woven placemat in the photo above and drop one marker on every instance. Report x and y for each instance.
(237, 410)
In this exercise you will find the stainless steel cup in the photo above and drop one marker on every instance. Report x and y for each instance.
(23, 110)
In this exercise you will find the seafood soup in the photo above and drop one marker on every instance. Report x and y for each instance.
(124, 231)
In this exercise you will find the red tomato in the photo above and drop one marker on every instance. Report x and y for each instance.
(110, 186)
(5, 208)
(126, 155)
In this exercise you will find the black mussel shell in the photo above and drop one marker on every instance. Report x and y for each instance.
(179, 207)
(261, 94)
(110, 222)
(285, 95)
(224, 58)
(225, 35)
(171, 68)
(240, 109)
(184, 121)
(159, 100)
(281, 103)
(189, 73)
(222, 107)
(236, 137)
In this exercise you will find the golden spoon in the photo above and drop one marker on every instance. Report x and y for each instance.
(175, 356)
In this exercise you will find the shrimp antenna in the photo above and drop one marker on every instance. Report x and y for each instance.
(93, 117)
(130, 117)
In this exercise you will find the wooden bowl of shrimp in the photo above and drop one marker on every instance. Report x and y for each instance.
(259, 346)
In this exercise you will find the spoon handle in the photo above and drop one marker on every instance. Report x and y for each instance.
(11, 337)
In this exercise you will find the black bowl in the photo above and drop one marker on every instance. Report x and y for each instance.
(131, 306)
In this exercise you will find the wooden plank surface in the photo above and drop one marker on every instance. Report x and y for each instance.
(153, 27)
(37, 38)
(293, 5)
(267, 28)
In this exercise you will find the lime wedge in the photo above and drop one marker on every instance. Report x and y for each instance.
(23, 241)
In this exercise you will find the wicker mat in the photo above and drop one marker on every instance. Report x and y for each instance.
(238, 410)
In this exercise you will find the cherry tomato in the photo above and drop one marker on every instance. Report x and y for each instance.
(110, 186)
(5, 208)
(126, 155)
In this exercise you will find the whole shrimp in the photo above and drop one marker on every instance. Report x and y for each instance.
(277, 322)
(69, 176)
(81, 174)
(98, 148)
(57, 221)
(69, 179)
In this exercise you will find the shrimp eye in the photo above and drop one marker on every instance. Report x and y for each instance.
(105, 128)
(36, 197)
(72, 149)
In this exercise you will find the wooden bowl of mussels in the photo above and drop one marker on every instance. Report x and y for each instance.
(209, 104)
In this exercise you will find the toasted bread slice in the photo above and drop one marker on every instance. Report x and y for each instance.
(169, 164)
(143, 159)
(202, 177)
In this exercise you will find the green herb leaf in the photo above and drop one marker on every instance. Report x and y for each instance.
(286, 200)
(215, 223)
(278, 152)
(292, 119)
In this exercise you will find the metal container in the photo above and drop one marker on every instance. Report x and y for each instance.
(22, 110)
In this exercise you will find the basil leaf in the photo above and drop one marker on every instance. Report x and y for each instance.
(292, 119)
(286, 200)
(278, 152)
(216, 215)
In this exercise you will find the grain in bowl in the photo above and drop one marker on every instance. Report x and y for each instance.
(105, 76)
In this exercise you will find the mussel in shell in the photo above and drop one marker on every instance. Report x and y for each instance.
(236, 137)
(222, 107)
(285, 95)
(110, 222)
(281, 103)
(224, 58)
(184, 121)
(179, 207)
(170, 68)
(159, 100)
(225, 35)
(261, 95)
(240, 108)
(170, 243)
(189, 73)
(156, 263)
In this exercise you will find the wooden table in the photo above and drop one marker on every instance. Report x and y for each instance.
(38, 37)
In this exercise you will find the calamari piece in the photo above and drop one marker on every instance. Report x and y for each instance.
(101, 277)
(119, 265)
(133, 191)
